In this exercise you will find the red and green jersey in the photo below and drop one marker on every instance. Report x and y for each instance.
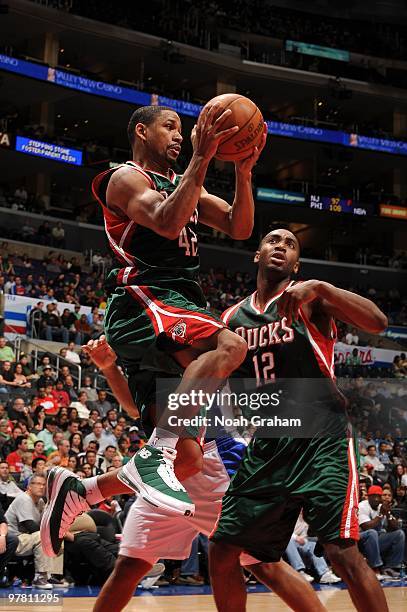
(139, 249)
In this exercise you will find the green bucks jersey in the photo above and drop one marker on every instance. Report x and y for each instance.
(277, 350)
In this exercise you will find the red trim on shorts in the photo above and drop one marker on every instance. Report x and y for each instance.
(180, 325)
(349, 522)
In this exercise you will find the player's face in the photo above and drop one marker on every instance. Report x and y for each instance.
(164, 136)
(279, 251)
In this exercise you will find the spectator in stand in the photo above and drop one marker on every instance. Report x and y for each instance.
(9, 284)
(47, 400)
(123, 446)
(383, 456)
(61, 454)
(60, 395)
(81, 405)
(396, 477)
(10, 446)
(19, 379)
(107, 458)
(27, 368)
(76, 444)
(94, 311)
(91, 459)
(68, 320)
(19, 412)
(8, 547)
(69, 387)
(45, 363)
(4, 433)
(24, 517)
(72, 428)
(71, 354)
(399, 371)
(39, 450)
(54, 329)
(8, 488)
(100, 435)
(372, 459)
(46, 435)
(48, 377)
(6, 352)
(102, 404)
(82, 329)
(89, 389)
(15, 459)
(7, 383)
(58, 236)
(382, 542)
(18, 287)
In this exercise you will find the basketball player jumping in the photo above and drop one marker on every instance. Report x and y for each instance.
(153, 533)
(290, 331)
(157, 316)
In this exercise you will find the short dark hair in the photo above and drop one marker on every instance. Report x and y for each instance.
(36, 461)
(146, 115)
(20, 439)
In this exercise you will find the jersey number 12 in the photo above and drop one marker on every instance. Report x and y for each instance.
(264, 370)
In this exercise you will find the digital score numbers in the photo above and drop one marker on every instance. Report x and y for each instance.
(338, 205)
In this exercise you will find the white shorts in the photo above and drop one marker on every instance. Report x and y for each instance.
(153, 533)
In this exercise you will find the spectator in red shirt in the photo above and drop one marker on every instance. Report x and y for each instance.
(60, 395)
(15, 459)
(46, 399)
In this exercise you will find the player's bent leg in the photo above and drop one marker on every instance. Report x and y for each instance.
(121, 584)
(364, 588)
(228, 585)
(288, 585)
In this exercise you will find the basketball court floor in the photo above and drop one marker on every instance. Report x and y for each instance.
(190, 599)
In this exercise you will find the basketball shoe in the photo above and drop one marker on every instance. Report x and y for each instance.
(150, 472)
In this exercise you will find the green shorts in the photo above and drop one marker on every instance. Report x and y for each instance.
(146, 325)
(279, 477)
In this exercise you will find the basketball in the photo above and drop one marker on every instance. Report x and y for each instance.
(248, 117)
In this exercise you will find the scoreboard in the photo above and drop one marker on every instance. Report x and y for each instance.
(339, 205)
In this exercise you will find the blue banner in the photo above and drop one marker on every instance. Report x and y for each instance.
(98, 88)
(277, 195)
(48, 150)
(132, 96)
(12, 64)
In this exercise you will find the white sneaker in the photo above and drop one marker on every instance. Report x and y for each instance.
(307, 577)
(329, 578)
(150, 472)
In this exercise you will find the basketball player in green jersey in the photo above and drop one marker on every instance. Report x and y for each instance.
(156, 318)
(290, 331)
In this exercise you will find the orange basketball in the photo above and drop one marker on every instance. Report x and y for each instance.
(248, 117)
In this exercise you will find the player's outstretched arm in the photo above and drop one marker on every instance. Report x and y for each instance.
(237, 220)
(131, 191)
(104, 357)
(333, 302)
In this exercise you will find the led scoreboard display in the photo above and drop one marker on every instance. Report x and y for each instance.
(338, 205)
